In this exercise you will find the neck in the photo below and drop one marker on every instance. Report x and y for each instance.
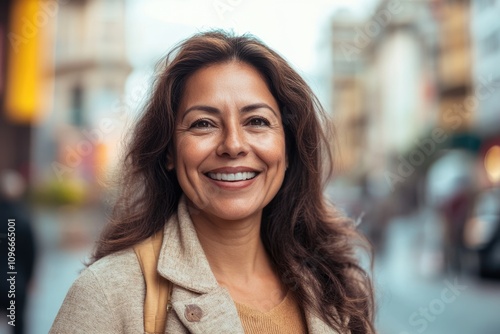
(233, 249)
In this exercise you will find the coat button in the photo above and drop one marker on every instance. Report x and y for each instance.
(193, 313)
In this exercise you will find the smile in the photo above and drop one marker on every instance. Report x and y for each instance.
(232, 177)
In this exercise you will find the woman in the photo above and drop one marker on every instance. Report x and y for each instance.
(228, 160)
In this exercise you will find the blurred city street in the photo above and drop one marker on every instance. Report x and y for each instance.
(409, 303)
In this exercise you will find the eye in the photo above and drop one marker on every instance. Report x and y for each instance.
(200, 124)
(259, 121)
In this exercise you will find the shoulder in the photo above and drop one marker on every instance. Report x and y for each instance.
(105, 298)
(110, 275)
(114, 270)
(117, 278)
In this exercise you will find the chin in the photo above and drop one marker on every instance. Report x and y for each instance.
(235, 213)
(228, 208)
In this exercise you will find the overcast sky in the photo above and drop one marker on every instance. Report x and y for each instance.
(293, 28)
(298, 30)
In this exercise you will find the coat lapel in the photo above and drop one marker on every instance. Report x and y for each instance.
(182, 259)
(212, 312)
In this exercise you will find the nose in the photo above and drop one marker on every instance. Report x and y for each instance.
(233, 143)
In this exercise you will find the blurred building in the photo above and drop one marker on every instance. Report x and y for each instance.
(71, 146)
(485, 33)
(454, 65)
(401, 79)
(384, 85)
(347, 90)
(469, 78)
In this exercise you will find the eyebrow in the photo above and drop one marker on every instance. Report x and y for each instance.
(213, 110)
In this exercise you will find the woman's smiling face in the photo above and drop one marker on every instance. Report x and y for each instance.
(229, 143)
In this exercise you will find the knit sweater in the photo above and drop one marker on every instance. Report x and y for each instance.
(285, 318)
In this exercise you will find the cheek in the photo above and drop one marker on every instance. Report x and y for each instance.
(272, 150)
(190, 151)
(185, 149)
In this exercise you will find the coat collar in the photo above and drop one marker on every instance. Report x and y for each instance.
(182, 259)
(183, 262)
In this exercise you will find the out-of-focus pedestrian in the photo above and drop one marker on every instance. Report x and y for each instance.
(12, 207)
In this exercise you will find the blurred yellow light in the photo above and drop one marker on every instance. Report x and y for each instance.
(27, 87)
(492, 163)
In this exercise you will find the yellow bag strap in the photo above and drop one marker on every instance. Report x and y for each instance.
(158, 289)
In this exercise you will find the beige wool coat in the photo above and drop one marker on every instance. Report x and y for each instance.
(108, 296)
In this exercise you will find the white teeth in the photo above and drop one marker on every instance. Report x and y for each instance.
(232, 176)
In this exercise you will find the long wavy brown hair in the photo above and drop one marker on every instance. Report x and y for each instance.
(311, 245)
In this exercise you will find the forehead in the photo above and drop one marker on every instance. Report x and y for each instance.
(229, 82)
